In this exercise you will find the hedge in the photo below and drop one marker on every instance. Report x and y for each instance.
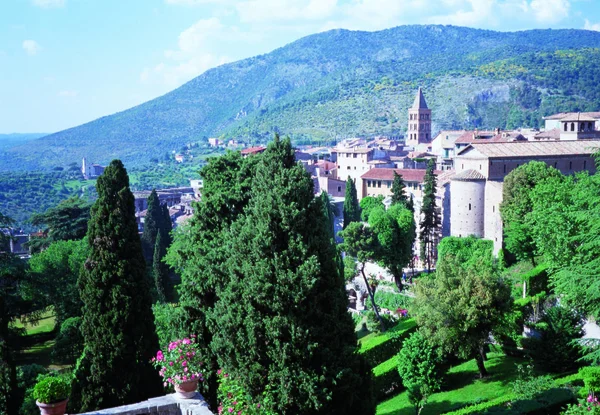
(385, 346)
(386, 379)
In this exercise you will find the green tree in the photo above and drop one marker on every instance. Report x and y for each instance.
(67, 221)
(12, 306)
(53, 275)
(360, 242)
(420, 366)
(201, 246)
(160, 270)
(283, 312)
(516, 205)
(396, 231)
(117, 324)
(469, 251)
(152, 225)
(457, 308)
(556, 348)
(430, 219)
(398, 190)
(351, 206)
(368, 204)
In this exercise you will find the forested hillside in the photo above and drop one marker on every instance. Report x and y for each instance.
(345, 83)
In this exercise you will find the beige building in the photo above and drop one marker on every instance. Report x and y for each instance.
(353, 162)
(378, 182)
(476, 190)
(419, 122)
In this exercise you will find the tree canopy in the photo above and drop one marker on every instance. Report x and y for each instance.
(351, 205)
(430, 219)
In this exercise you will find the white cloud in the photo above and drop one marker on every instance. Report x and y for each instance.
(196, 52)
(68, 93)
(591, 26)
(285, 10)
(31, 47)
(550, 11)
(47, 4)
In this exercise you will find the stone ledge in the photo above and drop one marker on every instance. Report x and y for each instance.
(161, 405)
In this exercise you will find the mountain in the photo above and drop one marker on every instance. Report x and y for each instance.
(15, 139)
(343, 83)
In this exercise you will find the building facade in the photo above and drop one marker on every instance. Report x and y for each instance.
(419, 122)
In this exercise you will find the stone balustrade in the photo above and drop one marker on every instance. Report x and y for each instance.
(162, 405)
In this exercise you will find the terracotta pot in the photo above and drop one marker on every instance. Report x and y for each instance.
(57, 408)
(186, 390)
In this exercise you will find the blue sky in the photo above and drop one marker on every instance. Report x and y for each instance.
(66, 62)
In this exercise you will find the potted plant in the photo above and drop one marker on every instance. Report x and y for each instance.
(51, 394)
(180, 366)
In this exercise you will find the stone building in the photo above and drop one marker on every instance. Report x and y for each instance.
(476, 189)
(91, 171)
(419, 122)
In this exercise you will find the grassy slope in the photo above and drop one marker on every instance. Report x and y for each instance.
(462, 387)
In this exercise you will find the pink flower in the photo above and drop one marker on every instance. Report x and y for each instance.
(184, 363)
(159, 356)
(230, 410)
(170, 363)
(186, 341)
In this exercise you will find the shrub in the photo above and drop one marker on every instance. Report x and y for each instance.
(235, 400)
(166, 320)
(554, 349)
(588, 406)
(527, 386)
(27, 377)
(386, 349)
(69, 342)
(373, 324)
(51, 389)
(591, 379)
(391, 300)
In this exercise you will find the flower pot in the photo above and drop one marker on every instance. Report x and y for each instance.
(186, 390)
(57, 408)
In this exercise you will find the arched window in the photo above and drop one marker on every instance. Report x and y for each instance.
(590, 126)
(566, 128)
(469, 206)
(572, 126)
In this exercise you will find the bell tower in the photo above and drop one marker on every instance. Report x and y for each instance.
(419, 122)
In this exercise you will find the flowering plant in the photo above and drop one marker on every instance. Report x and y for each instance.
(180, 362)
(590, 405)
(234, 400)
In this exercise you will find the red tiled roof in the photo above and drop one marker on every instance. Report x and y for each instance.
(253, 150)
(409, 175)
(326, 165)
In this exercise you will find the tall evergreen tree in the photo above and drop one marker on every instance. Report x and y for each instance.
(351, 205)
(160, 270)
(430, 219)
(117, 324)
(152, 224)
(398, 190)
(283, 324)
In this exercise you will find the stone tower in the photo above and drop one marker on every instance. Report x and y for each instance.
(84, 168)
(419, 122)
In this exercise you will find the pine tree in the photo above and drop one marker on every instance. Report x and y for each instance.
(430, 220)
(398, 190)
(351, 205)
(117, 323)
(283, 324)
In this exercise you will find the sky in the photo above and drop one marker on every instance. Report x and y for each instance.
(67, 62)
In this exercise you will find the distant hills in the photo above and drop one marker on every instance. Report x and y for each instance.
(12, 140)
(344, 83)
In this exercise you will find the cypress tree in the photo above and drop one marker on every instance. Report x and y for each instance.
(430, 220)
(160, 270)
(351, 205)
(117, 323)
(152, 224)
(398, 187)
(282, 317)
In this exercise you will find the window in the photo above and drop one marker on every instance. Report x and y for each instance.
(463, 166)
(572, 126)
(570, 165)
(584, 163)
(505, 168)
(355, 155)
(480, 167)
(427, 136)
(566, 127)
(590, 126)
(388, 183)
(379, 183)
(348, 167)
(368, 183)
(339, 189)
(354, 167)
(469, 206)
(494, 209)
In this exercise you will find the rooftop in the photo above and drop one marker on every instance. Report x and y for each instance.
(419, 101)
(253, 150)
(468, 175)
(534, 148)
(409, 175)
(561, 115)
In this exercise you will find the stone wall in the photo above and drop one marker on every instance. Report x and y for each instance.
(162, 405)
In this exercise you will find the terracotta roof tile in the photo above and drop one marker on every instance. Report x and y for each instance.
(409, 175)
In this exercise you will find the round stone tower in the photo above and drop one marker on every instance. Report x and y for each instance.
(467, 204)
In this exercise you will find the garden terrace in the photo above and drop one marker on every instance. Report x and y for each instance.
(162, 405)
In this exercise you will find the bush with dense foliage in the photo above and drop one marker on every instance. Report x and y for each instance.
(69, 341)
(554, 349)
(51, 389)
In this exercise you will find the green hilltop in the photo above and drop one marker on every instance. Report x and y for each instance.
(342, 83)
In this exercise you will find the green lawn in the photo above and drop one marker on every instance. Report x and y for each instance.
(375, 339)
(44, 325)
(462, 387)
(38, 341)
